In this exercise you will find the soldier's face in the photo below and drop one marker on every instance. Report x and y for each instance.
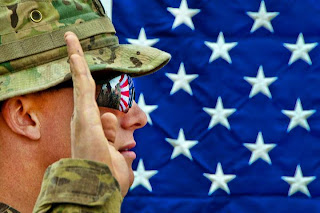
(58, 108)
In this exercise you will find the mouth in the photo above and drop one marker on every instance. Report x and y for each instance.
(127, 152)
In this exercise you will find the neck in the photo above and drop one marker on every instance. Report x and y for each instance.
(20, 181)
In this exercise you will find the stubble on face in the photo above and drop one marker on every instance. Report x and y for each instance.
(56, 112)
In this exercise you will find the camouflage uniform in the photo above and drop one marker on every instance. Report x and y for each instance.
(74, 185)
(33, 57)
(86, 183)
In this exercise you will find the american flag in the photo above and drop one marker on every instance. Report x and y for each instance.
(234, 118)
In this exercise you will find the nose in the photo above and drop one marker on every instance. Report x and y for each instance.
(135, 118)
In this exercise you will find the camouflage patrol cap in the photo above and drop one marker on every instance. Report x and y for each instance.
(33, 54)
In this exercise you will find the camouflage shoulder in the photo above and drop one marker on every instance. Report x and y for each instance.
(81, 183)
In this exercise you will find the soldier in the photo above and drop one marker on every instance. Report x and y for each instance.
(68, 112)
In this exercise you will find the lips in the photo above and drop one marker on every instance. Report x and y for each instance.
(126, 151)
(127, 147)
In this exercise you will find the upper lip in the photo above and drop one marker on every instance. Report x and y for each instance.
(128, 146)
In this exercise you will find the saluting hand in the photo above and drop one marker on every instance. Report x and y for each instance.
(89, 139)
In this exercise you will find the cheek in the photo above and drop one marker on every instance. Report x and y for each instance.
(55, 131)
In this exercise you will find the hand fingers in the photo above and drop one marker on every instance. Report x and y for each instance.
(110, 125)
(86, 112)
(73, 47)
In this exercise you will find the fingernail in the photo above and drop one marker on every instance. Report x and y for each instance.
(66, 34)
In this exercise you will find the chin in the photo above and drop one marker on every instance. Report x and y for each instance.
(125, 189)
(131, 177)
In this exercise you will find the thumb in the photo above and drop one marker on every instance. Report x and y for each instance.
(110, 125)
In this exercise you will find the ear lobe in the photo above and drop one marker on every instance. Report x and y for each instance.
(20, 118)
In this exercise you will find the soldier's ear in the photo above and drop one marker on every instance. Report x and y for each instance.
(21, 118)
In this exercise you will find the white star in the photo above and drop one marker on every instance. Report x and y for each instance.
(181, 145)
(219, 180)
(142, 39)
(298, 116)
(260, 83)
(146, 108)
(300, 50)
(262, 18)
(183, 15)
(220, 49)
(141, 177)
(219, 114)
(181, 80)
(298, 182)
(259, 150)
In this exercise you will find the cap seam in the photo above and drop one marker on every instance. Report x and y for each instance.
(22, 46)
(58, 57)
(47, 23)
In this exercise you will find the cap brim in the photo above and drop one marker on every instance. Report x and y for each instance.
(131, 59)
